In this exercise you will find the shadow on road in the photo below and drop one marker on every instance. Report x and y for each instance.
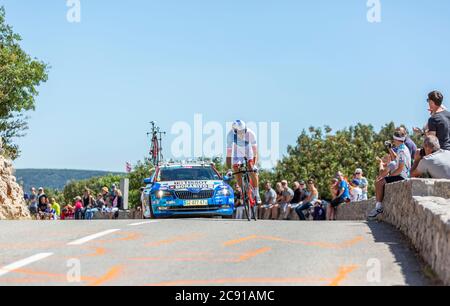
(406, 256)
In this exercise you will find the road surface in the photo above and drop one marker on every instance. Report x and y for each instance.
(185, 252)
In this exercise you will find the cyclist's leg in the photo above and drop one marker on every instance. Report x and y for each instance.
(254, 178)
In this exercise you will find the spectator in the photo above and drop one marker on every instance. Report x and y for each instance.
(100, 202)
(309, 201)
(288, 195)
(50, 213)
(439, 123)
(363, 184)
(342, 196)
(33, 202)
(398, 170)
(117, 203)
(276, 208)
(88, 200)
(41, 193)
(105, 195)
(78, 208)
(56, 207)
(270, 199)
(142, 198)
(42, 205)
(409, 143)
(300, 194)
(238, 203)
(432, 160)
(68, 212)
(355, 191)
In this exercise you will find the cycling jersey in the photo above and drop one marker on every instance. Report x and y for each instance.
(241, 147)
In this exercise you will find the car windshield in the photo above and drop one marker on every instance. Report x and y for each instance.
(188, 174)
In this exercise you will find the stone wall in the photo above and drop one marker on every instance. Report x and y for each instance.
(12, 204)
(420, 209)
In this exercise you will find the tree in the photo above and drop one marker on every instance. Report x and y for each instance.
(20, 76)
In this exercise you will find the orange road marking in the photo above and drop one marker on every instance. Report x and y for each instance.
(342, 275)
(242, 281)
(252, 254)
(325, 245)
(175, 240)
(50, 275)
(112, 274)
(237, 241)
(97, 252)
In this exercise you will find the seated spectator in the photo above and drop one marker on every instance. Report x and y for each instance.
(409, 143)
(50, 213)
(276, 208)
(117, 202)
(56, 207)
(319, 213)
(300, 194)
(342, 196)
(68, 213)
(33, 202)
(78, 208)
(238, 203)
(288, 195)
(432, 161)
(270, 199)
(309, 201)
(398, 170)
(42, 205)
(363, 184)
(355, 191)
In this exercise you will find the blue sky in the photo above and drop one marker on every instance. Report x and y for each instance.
(300, 63)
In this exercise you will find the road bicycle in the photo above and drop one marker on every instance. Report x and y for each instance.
(248, 199)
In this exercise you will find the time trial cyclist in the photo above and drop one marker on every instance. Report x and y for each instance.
(242, 145)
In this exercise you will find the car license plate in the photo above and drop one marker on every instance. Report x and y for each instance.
(196, 203)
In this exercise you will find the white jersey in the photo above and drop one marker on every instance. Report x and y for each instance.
(241, 147)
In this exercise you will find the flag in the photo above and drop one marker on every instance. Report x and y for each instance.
(128, 167)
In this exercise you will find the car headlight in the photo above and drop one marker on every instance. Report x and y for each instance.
(224, 192)
(162, 194)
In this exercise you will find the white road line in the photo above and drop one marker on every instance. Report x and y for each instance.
(22, 263)
(142, 223)
(92, 237)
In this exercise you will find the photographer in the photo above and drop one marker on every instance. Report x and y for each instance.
(398, 169)
(432, 160)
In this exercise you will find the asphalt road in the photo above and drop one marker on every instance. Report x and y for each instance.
(205, 252)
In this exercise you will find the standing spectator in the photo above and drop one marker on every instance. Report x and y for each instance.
(309, 201)
(343, 195)
(41, 193)
(432, 160)
(33, 202)
(78, 208)
(363, 184)
(270, 199)
(399, 170)
(56, 207)
(276, 208)
(288, 195)
(439, 123)
(142, 198)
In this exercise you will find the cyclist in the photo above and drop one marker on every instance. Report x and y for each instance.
(242, 145)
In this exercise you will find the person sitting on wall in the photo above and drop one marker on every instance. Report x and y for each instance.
(432, 161)
(402, 163)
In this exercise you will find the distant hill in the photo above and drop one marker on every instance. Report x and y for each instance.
(54, 178)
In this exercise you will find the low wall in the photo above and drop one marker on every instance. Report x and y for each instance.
(420, 209)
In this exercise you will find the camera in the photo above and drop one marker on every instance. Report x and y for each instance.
(388, 145)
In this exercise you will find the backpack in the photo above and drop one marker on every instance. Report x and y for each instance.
(319, 213)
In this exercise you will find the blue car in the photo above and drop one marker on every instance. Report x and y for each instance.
(187, 190)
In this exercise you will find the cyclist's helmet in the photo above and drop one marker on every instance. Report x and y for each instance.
(239, 126)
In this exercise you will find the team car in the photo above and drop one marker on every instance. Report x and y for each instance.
(183, 189)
